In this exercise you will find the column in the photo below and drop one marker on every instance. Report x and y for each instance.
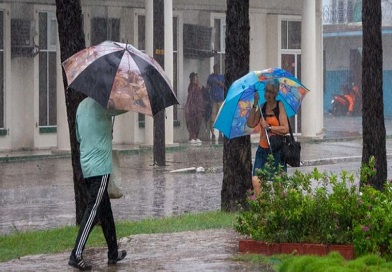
(168, 18)
(148, 129)
(310, 105)
(63, 139)
(320, 62)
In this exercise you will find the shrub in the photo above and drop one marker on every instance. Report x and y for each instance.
(320, 207)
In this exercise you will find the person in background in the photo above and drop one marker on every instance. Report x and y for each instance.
(94, 133)
(215, 85)
(274, 122)
(194, 108)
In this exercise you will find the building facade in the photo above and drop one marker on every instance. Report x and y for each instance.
(32, 103)
(342, 36)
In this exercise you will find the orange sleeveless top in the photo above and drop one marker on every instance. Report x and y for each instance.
(272, 121)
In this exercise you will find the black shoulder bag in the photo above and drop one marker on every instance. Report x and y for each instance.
(291, 150)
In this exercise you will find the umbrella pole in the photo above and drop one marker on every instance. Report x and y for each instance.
(266, 132)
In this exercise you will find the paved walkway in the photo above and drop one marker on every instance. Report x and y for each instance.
(36, 192)
(210, 250)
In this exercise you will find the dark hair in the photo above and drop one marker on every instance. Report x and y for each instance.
(274, 83)
(192, 75)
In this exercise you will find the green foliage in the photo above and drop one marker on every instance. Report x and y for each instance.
(320, 207)
(373, 229)
(334, 262)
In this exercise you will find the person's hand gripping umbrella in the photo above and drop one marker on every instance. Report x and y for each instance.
(264, 123)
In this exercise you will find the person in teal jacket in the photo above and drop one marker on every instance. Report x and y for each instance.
(94, 133)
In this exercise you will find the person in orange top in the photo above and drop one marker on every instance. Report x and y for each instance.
(269, 123)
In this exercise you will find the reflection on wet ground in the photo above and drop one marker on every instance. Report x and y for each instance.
(39, 194)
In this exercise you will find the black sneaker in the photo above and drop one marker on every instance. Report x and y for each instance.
(121, 255)
(78, 263)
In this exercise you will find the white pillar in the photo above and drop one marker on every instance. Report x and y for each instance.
(168, 59)
(149, 125)
(63, 138)
(310, 105)
(320, 62)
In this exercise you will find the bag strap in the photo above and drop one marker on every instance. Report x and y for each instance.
(291, 132)
(275, 110)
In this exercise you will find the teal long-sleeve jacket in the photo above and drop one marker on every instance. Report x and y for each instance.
(94, 127)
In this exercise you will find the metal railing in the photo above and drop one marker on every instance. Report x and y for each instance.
(350, 11)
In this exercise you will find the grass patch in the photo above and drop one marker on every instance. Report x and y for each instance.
(333, 262)
(59, 240)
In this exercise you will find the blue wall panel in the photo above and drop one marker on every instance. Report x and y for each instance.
(333, 80)
(387, 88)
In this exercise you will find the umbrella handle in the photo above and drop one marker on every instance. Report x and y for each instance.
(266, 132)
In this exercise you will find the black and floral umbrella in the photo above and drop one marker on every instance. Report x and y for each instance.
(118, 76)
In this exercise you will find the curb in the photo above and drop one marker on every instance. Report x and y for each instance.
(137, 150)
(333, 160)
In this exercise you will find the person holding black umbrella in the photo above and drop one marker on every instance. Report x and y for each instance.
(94, 133)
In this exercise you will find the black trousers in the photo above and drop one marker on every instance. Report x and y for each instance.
(98, 206)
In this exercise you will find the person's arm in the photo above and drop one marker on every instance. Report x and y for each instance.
(283, 127)
(254, 115)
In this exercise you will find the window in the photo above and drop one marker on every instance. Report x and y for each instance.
(141, 33)
(291, 34)
(2, 101)
(47, 69)
(104, 29)
(219, 43)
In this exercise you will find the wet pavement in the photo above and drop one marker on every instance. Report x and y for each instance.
(209, 250)
(36, 192)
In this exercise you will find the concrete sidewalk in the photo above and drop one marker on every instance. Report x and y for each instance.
(337, 131)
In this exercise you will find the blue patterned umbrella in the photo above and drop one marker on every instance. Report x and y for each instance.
(232, 116)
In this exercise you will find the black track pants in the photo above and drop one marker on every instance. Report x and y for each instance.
(98, 206)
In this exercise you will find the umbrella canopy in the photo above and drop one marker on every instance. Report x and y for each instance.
(118, 76)
(232, 116)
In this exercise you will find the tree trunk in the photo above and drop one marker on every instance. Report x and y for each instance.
(372, 95)
(237, 160)
(71, 36)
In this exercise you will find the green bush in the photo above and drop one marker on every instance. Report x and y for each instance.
(320, 207)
